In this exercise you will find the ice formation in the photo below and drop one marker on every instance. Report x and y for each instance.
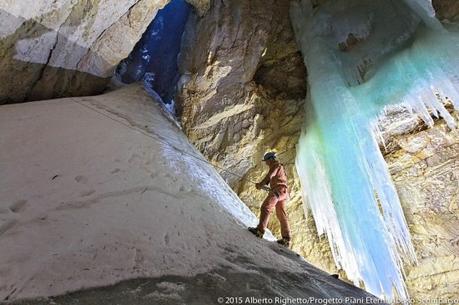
(361, 57)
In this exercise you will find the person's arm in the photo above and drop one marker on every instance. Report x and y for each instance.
(266, 179)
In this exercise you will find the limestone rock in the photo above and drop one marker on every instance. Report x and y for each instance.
(425, 169)
(66, 48)
(242, 93)
(447, 10)
(228, 90)
(238, 102)
(201, 6)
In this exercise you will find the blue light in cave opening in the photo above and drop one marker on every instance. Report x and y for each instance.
(154, 58)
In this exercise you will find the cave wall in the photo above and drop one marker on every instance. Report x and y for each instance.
(424, 163)
(224, 111)
(239, 65)
(242, 93)
(62, 48)
(66, 48)
(447, 10)
(202, 6)
(237, 103)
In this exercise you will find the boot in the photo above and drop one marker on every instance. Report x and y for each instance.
(256, 232)
(284, 242)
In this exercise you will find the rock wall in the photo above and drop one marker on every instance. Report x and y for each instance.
(424, 163)
(68, 48)
(243, 88)
(242, 93)
(447, 10)
(202, 6)
(237, 104)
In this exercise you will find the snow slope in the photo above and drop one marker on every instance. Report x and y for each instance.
(91, 195)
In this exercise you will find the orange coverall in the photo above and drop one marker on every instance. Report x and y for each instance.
(277, 197)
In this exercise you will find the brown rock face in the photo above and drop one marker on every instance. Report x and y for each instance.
(424, 163)
(66, 48)
(243, 83)
(447, 9)
(202, 6)
(243, 92)
(62, 48)
(242, 95)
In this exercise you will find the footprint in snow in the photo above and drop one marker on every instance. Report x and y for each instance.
(18, 206)
(81, 179)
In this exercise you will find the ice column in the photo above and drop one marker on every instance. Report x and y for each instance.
(394, 53)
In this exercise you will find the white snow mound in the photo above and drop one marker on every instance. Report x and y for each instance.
(91, 194)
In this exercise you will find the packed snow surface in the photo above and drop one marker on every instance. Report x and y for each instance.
(98, 190)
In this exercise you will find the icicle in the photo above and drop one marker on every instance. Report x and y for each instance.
(402, 56)
(378, 134)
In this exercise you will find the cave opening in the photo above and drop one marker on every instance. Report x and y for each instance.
(153, 60)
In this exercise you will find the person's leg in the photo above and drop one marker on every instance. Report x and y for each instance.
(283, 219)
(266, 208)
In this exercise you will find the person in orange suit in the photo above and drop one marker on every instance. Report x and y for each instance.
(277, 198)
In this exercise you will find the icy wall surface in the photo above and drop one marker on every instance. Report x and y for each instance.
(362, 56)
(154, 58)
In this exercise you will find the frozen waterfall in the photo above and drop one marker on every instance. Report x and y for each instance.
(361, 57)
